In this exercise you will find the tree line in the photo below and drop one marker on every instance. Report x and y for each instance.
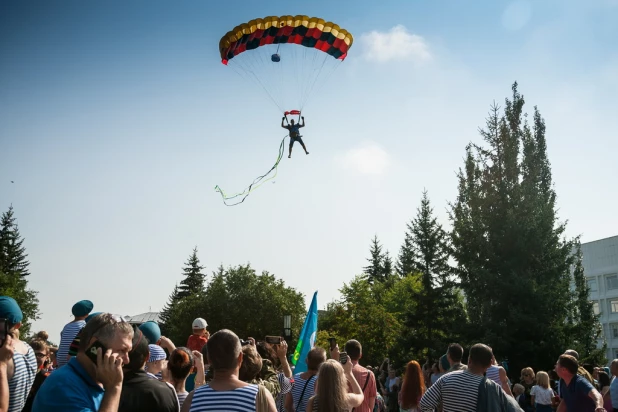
(504, 273)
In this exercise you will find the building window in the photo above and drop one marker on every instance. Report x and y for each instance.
(615, 353)
(592, 284)
(612, 282)
(614, 327)
(595, 308)
(613, 306)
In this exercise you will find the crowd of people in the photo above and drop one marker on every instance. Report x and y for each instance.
(103, 363)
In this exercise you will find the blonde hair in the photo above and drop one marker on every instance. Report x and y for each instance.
(542, 379)
(332, 388)
(527, 370)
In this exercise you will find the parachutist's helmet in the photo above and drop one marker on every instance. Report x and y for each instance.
(276, 58)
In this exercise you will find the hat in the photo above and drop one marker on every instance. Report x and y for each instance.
(151, 330)
(82, 308)
(92, 315)
(199, 323)
(9, 309)
(156, 353)
(445, 363)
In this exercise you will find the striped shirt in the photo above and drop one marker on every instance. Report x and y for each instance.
(22, 380)
(457, 391)
(181, 397)
(238, 400)
(297, 391)
(286, 386)
(493, 373)
(69, 332)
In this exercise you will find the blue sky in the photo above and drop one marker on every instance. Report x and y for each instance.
(117, 120)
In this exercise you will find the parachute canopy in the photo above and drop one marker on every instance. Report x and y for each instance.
(311, 32)
(288, 56)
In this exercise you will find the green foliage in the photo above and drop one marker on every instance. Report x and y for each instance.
(587, 330)
(166, 312)
(12, 251)
(193, 283)
(239, 299)
(512, 259)
(380, 266)
(439, 307)
(14, 270)
(360, 315)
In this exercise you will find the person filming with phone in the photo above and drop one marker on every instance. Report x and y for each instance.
(92, 381)
(334, 378)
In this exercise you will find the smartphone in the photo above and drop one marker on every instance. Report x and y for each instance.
(343, 357)
(4, 330)
(273, 340)
(245, 342)
(333, 343)
(91, 352)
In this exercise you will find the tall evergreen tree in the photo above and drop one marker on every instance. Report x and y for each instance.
(587, 330)
(438, 306)
(374, 269)
(380, 265)
(405, 265)
(512, 259)
(387, 266)
(12, 251)
(166, 312)
(14, 270)
(193, 283)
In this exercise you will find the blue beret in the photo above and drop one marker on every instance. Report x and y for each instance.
(151, 330)
(92, 315)
(445, 363)
(82, 308)
(9, 309)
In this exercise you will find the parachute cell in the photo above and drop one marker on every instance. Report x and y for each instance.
(307, 31)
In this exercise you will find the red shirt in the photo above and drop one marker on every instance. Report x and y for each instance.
(196, 342)
(370, 391)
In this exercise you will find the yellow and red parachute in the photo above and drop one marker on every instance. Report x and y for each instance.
(289, 56)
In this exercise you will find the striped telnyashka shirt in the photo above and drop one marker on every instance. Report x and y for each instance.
(23, 378)
(457, 391)
(238, 400)
(69, 332)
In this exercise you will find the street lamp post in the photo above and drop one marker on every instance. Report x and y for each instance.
(287, 327)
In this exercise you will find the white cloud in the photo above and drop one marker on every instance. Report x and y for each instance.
(368, 159)
(395, 44)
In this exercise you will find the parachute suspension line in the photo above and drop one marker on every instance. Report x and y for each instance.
(257, 182)
(315, 79)
(257, 78)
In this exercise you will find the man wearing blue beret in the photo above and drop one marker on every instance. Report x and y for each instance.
(80, 311)
(17, 372)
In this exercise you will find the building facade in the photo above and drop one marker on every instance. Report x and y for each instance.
(600, 259)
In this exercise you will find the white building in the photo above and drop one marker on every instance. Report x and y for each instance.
(601, 269)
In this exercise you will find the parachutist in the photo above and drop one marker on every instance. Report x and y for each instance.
(294, 133)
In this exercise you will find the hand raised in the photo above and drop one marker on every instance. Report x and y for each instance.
(109, 369)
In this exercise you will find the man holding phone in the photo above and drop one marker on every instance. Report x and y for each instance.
(364, 376)
(92, 381)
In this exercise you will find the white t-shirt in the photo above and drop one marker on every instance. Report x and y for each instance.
(541, 395)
